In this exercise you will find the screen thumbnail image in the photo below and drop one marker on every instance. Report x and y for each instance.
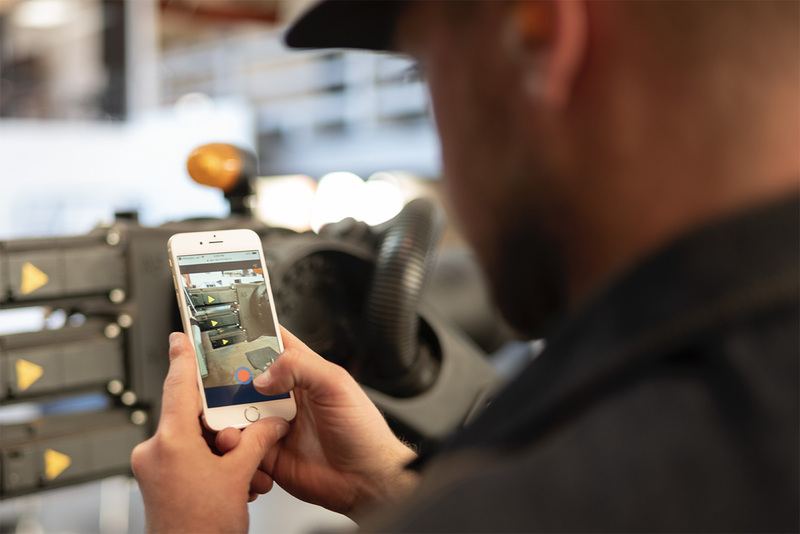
(235, 337)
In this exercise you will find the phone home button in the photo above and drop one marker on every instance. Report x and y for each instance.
(252, 414)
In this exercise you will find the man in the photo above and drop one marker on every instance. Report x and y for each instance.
(628, 175)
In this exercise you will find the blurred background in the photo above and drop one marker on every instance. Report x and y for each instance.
(102, 100)
(101, 104)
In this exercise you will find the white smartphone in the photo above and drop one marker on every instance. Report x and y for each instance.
(227, 310)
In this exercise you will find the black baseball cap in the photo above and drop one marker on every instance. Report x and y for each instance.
(362, 24)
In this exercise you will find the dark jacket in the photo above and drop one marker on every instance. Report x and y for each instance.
(669, 403)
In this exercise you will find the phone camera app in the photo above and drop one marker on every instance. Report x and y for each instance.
(232, 322)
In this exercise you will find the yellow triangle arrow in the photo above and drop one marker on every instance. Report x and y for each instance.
(27, 374)
(211, 299)
(55, 463)
(224, 341)
(32, 278)
(214, 323)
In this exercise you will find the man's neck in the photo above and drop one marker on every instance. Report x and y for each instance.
(665, 189)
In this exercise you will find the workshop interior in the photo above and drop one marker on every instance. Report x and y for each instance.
(123, 122)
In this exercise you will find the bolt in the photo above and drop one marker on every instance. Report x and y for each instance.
(139, 417)
(115, 387)
(117, 296)
(125, 320)
(128, 398)
(113, 237)
(112, 330)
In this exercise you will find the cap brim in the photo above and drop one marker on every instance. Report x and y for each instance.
(362, 24)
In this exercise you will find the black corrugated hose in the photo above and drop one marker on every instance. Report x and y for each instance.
(401, 364)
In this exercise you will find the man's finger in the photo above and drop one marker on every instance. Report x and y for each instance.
(227, 439)
(180, 404)
(262, 483)
(303, 367)
(289, 340)
(256, 440)
(300, 367)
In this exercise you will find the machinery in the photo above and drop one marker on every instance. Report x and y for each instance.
(358, 295)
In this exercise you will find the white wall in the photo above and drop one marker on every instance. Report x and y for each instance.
(64, 178)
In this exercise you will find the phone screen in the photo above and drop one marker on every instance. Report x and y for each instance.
(232, 323)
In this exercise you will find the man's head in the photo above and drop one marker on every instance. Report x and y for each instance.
(578, 136)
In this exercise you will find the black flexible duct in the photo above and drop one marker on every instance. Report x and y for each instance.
(401, 365)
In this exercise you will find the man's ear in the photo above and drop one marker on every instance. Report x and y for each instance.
(550, 38)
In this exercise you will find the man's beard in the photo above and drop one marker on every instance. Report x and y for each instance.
(527, 277)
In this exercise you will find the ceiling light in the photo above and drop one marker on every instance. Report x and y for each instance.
(42, 13)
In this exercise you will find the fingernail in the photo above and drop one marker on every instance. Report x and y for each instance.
(173, 338)
(262, 380)
(282, 429)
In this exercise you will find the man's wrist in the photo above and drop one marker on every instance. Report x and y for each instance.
(393, 483)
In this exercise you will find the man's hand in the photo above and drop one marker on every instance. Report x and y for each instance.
(339, 453)
(186, 487)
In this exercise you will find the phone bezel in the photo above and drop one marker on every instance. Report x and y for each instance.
(214, 242)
